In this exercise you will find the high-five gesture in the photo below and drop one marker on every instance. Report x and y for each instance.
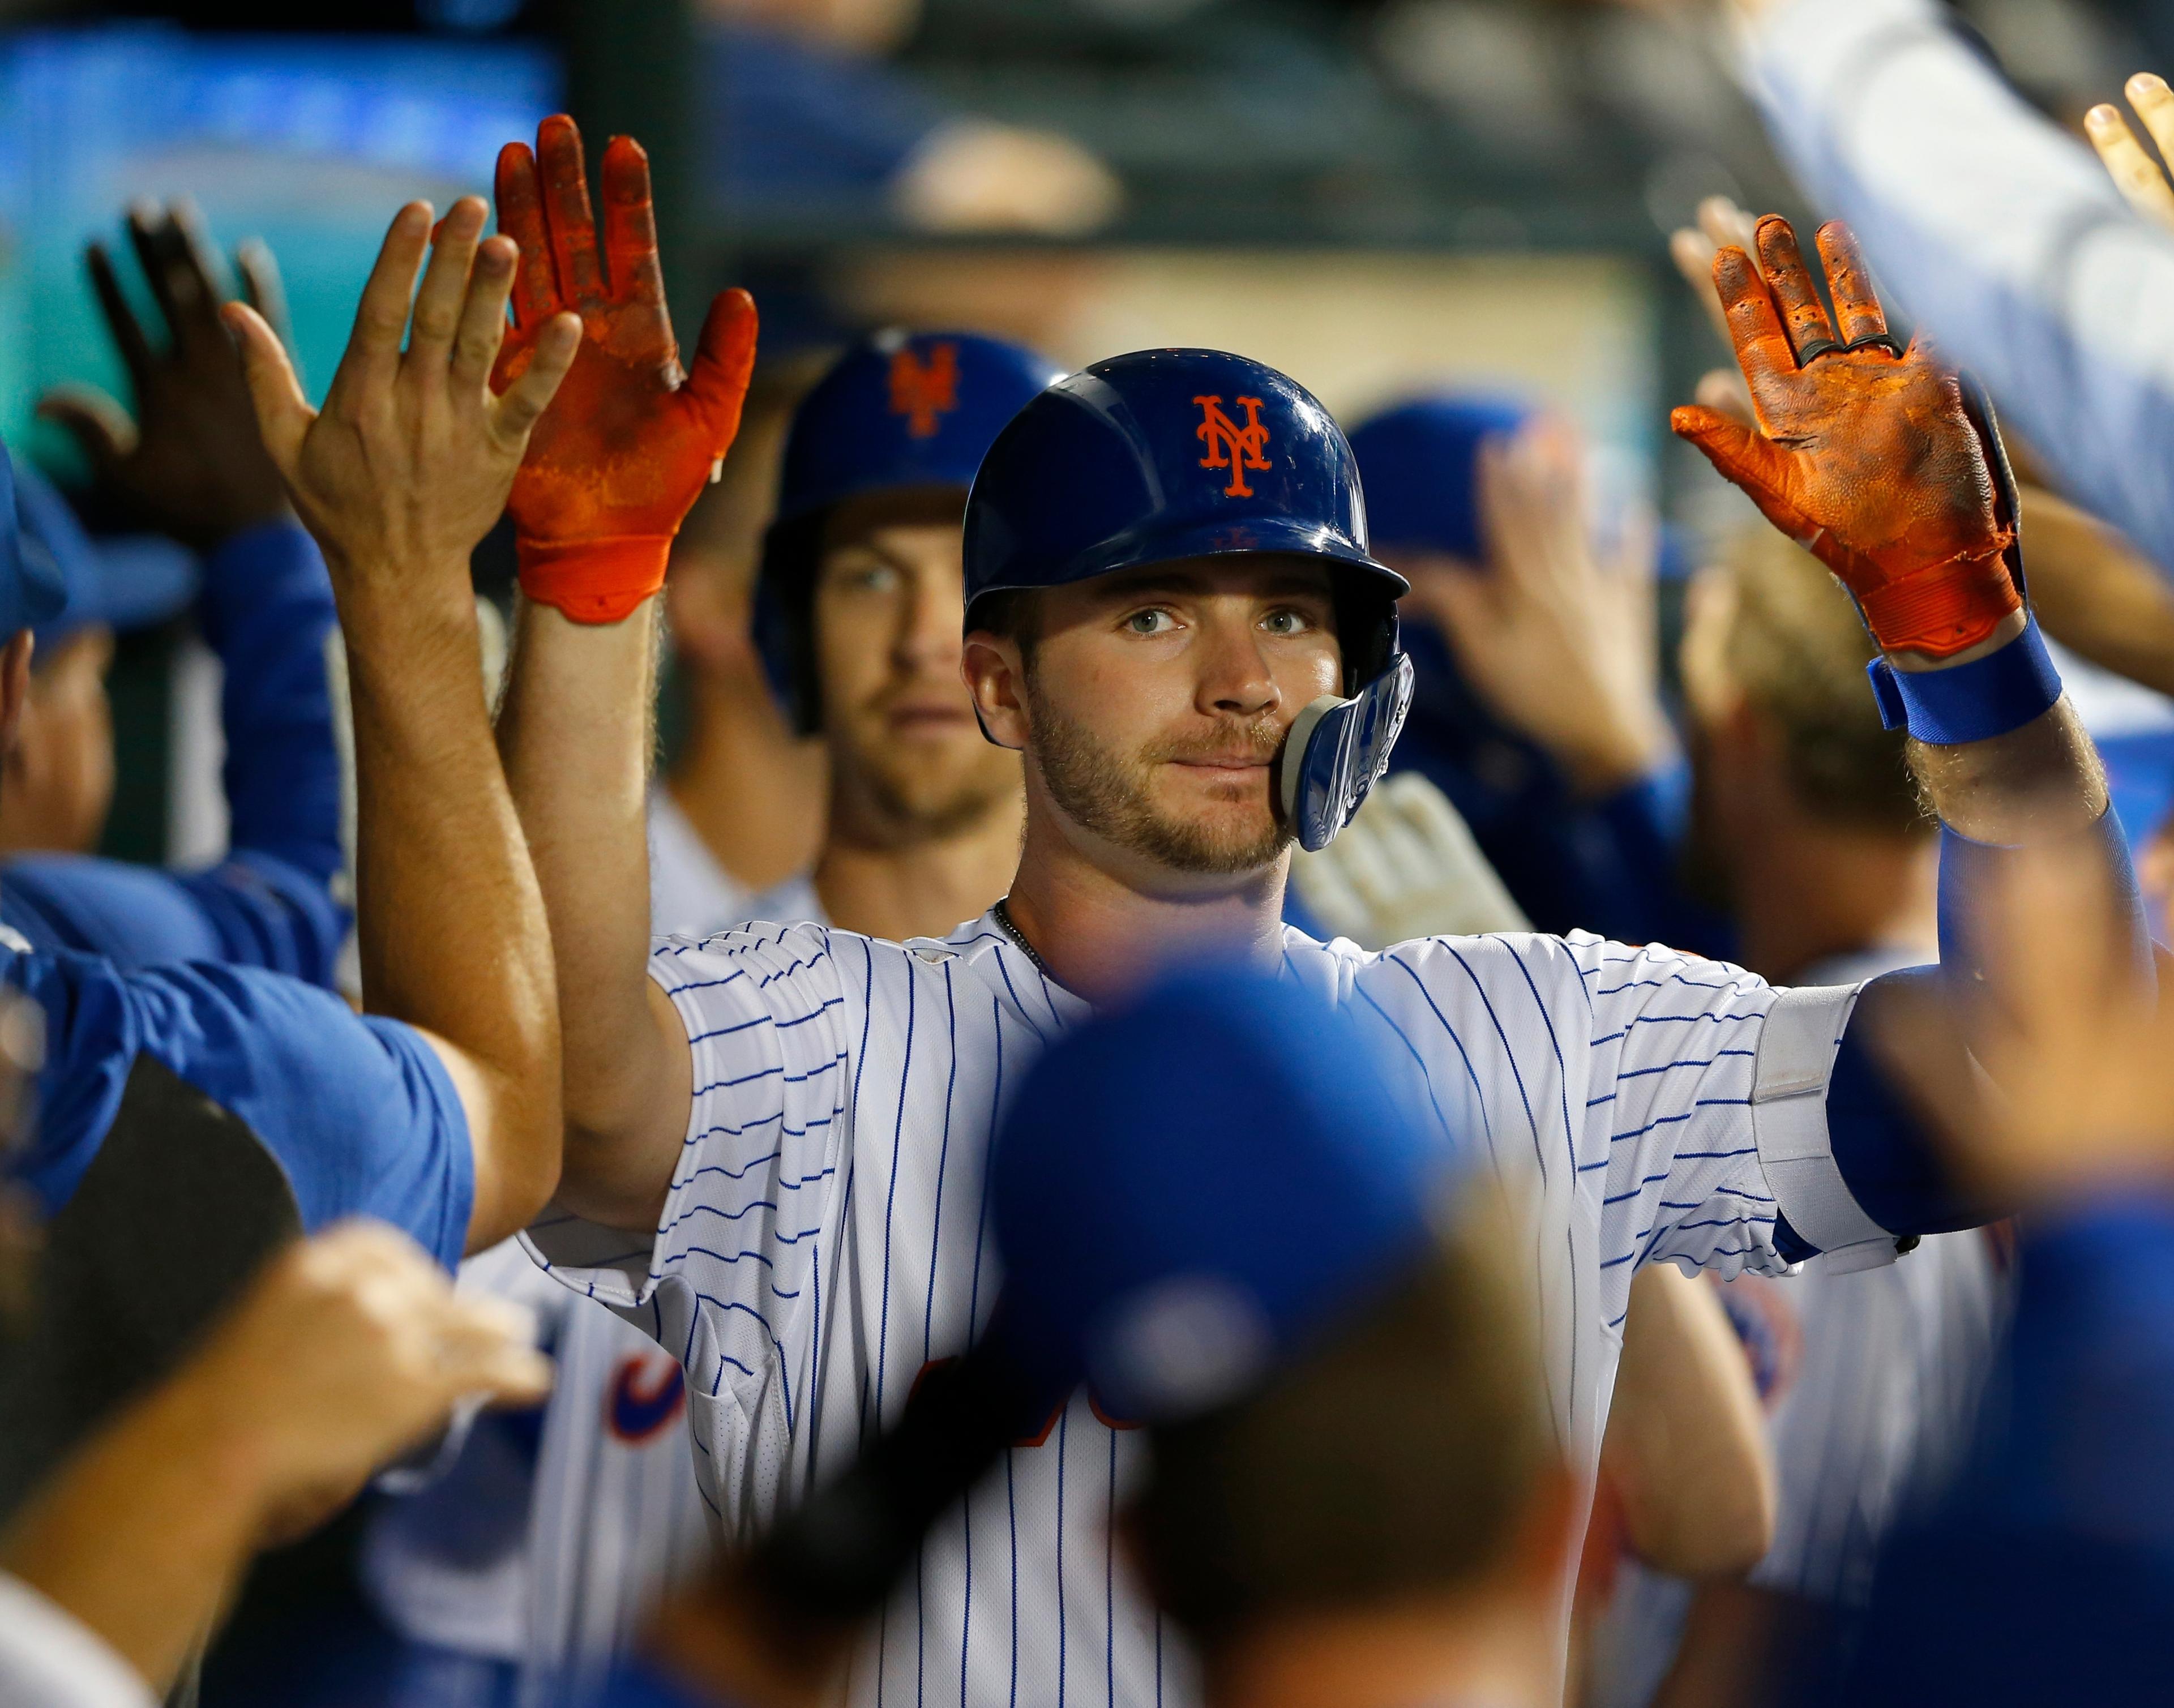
(410, 464)
(616, 465)
(405, 468)
(1863, 453)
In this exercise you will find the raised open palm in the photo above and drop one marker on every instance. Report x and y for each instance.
(1863, 452)
(631, 438)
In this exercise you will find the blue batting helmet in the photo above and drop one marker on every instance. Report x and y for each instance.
(898, 412)
(1421, 461)
(1169, 454)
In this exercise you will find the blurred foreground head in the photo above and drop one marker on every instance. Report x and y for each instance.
(1216, 1210)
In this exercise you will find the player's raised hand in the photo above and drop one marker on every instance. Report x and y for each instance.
(409, 463)
(621, 457)
(189, 462)
(1557, 634)
(1863, 452)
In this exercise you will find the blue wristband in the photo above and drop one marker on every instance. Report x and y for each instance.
(1989, 696)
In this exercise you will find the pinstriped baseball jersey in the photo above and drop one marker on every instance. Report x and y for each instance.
(825, 1237)
(1894, 1362)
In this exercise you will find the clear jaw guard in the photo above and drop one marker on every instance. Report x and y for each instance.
(1337, 751)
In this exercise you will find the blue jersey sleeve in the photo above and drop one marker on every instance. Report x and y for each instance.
(359, 1111)
(268, 611)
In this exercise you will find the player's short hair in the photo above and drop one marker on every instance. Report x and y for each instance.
(1013, 614)
(1798, 650)
(1399, 1458)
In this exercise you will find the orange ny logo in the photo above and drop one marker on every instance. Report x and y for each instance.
(922, 392)
(1228, 445)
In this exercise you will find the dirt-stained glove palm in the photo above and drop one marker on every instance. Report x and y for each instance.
(630, 440)
(1864, 455)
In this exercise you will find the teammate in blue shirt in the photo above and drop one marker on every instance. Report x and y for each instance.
(438, 1109)
(190, 465)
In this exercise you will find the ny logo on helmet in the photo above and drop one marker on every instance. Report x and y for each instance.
(1232, 446)
(922, 392)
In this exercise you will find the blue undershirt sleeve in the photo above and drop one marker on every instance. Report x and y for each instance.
(268, 611)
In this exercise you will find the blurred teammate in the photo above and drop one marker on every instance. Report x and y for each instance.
(189, 464)
(1171, 552)
(862, 607)
(1528, 710)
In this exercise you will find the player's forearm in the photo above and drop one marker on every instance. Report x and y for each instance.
(575, 733)
(450, 924)
(2042, 780)
(142, 1534)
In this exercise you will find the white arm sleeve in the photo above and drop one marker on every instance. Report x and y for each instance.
(49, 1659)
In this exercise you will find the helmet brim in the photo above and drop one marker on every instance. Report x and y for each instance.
(1158, 544)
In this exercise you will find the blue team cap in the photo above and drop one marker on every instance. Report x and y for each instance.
(901, 410)
(31, 589)
(129, 582)
(1186, 1190)
(1420, 462)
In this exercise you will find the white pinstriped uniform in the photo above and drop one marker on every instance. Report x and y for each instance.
(1894, 1363)
(825, 1237)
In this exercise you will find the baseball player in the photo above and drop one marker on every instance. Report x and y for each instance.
(775, 1138)
(859, 612)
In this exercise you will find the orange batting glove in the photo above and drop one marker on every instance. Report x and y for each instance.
(630, 442)
(1863, 454)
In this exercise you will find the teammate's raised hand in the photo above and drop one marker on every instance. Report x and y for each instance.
(616, 465)
(189, 462)
(409, 463)
(1863, 452)
(2141, 180)
(1557, 635)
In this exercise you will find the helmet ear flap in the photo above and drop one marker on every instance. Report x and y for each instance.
(784, 618)
(1366, 629)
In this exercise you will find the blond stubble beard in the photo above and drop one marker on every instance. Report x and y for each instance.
(1109, 795)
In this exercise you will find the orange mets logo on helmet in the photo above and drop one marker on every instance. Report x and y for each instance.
(922, 392)
(1232, 446)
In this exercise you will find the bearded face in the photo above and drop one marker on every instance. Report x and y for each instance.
(908, 762)
(1124, 795)
(1154, 705)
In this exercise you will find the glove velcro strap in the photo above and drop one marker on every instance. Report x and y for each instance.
(600, 580)
(1943, 610)
(1976, 701)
